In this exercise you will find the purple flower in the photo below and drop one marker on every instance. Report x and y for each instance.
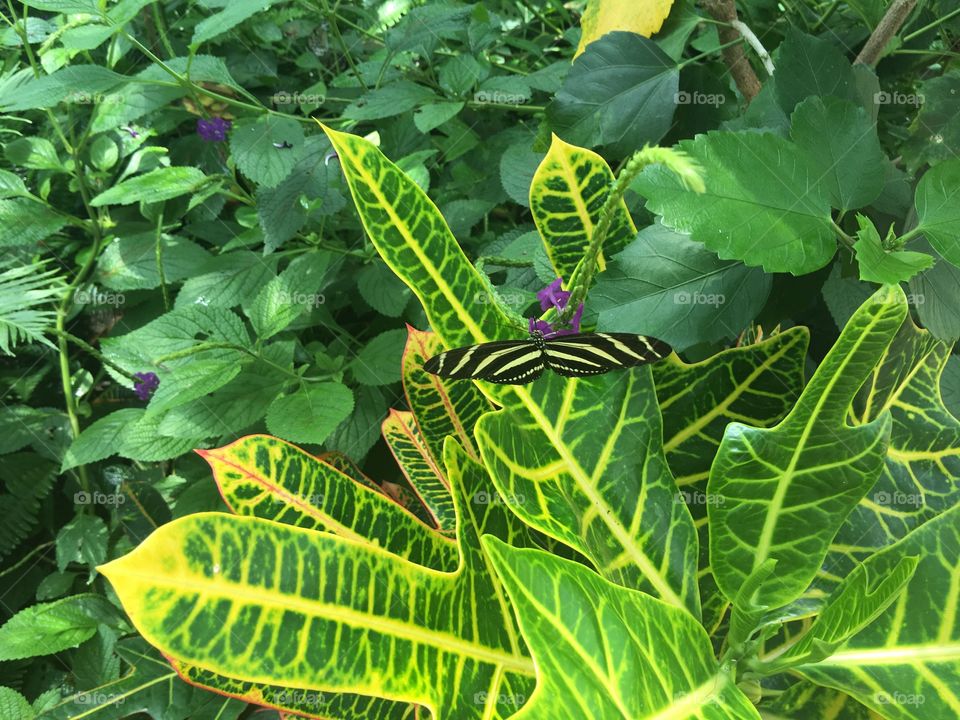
(214, 129)
(553, 296)
(540, 326)
(574, 323)
(145, 385)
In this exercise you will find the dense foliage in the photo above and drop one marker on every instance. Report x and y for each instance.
(216, 219)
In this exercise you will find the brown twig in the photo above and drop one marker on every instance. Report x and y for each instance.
(725, 11)
(892, 20)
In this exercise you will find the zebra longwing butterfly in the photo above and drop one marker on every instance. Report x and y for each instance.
(516, 362)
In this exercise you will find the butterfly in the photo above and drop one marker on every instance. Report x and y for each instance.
(517, 362)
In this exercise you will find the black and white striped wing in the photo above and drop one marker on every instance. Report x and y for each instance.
(597, 353)
(505, 362)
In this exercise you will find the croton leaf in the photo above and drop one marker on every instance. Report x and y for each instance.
(783, 492)
(566, 195)
(604, 651)
(220, 592)
(905, 665)
(265, 477)
(584, 464)
(921, 472)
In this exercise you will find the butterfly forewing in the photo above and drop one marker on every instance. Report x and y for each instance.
(506, 362)
(596, 353)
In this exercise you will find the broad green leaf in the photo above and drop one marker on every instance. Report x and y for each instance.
(599, 18)
(415, 242)
(360, 432)
(11, 185)
(14, 706)
(160, 184)
(666, 285)
(48, 628)
(518, 165)
(440, 407)
(100, 440)
(141, 440)
(583, 463)
(82, 540)
(938, 208)
(934, 132)
(621, 92)
(424, 476)
(25, 222)
(783, 493)
(130, 262)
(80, 84)
(841, 141)
(36, 153)
(432, 638)
(878, 265)
(567, 192)
(252, 146)
(189, 382)
(310, 413)
(808, 66)
(293, 292)
(378, 362)
(265, 477)
(921, 472)
(433, 115)
(906, 664)
(762, 203)
(934, 293)
(225, 20)
(383, 290)
(227, 280)
(393, 99)
(604, 651)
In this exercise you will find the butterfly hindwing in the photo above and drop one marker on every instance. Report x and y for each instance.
(504, 362)
(595, 353)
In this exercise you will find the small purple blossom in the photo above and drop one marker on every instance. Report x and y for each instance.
(213, 130)
(574, 324)
(540, 326)
(145, 385)
(553, 296)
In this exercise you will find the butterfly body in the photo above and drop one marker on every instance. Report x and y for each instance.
(516, 362)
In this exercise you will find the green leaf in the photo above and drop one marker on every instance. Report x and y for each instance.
(437, 639)
(433, 115)
(582, 462)
(841, 141)
(393, 99)
(100, 440)
(762, 203)
(11, 185)
(48, 628)
(934, 293)
(783, 493)
(934, 132)
(378, 362)
(27, 295)
(36, 153)
(130, 262)
(141, 440)
(878, 265)
(252, 146)
(227, 280)
(309, 415)
(905, 664)
(232, 15)
(28, 480)
(620, 93)
(155, 186)
(668, 286)
(358, 433)
(608, 651)
(811, 66)
(188, 382)
(383, 290)
(566, 195)
(938, 209)
(81, 84)
(83, 539)
(14, 706)
(25, 222)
